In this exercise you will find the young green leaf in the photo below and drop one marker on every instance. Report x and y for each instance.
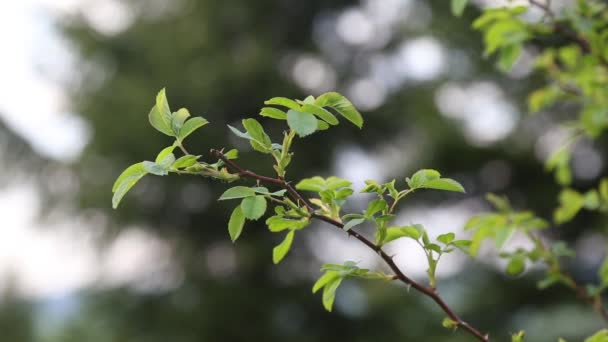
(236, 223)
(303, 123)
(394, 233)
(253, 207)
(326, 278)
(316, 184)
(164, 153)
(279, 252)
(446, 184)
(191, 126)
(155, 168)
(516, 265)
(125, 182)
(273, 113)
(160, 115)
(446, 238)
(352, 223)
(260, 140)
(329, 293)
(178, 118)
(237, 192)
(458, 7)
(341, 105)
(232, 154)
(185, 161)
(422, 177)
(321, 113)
(278, 223)
(283, 101)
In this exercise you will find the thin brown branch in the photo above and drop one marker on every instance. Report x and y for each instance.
(427, 291)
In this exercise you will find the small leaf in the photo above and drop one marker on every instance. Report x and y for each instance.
(394, 233)
(237, 192)
(178, 118)
(600, 336)
(446, 184)
(518, 337)
(446, 238)
(135, 170)
(191, 126)
(316, 184)
(303, 123)
(326, 278)
(342, 105)
(329, 293)
(352, 223)
(571, 202)
(125, 182)
(458, 7)
(273, 113)
(164, 153)
(321, 113)
(236, 223)
(449, 323)
(185, 161)
(253, 207)
(516, 265)
(240, 134)
(155, 168)
(278, 223)
(160, 115)
(283, 101)
(279, 252)
(421, 177)
(232, 154)
(374, 207)
(256, 132)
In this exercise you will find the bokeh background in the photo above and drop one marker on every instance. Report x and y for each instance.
(79, 77)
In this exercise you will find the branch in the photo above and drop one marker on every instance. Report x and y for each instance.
(427, 291)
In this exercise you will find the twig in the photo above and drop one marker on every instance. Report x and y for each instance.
(427, 291)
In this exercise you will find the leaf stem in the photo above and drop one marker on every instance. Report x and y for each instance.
(430, 292)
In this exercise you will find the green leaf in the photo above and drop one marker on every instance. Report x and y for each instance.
(352, 223)
(603, 272)
(571, 202)
(178, 118)
(316, 184)
(191, 126)
(155, 168)
(240, 134)
(326, 278)
(135, 170)
(160, 115)
(125, 182)
(329, 293)
(446, 184)
(394, 233)
(278, 223)
(232, 154)
(518, 337)
(446, 238)
(236, 223)
(458, 7)
(185, 161)
(508, 56)
(421, 177)
(516, 265)
(164, 153)
(253, 207)
(341, 105)
(303, 123)
(261, 141)
(283, 101)
(600, 336)
(320, 112)
(237, 192)
(273, 113)
(279, 252)
(449, 323)
(374, 207)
